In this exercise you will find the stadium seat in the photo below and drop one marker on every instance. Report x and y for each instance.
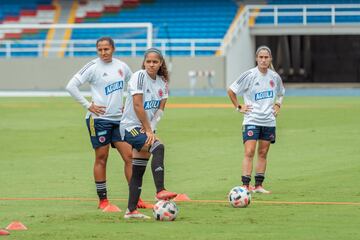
(186, 19)
(30, 12)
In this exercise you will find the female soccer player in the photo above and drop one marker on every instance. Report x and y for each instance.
(262, 90)
(144, 106)
(107, 77)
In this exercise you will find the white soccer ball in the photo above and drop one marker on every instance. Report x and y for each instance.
(165, 210)
(239, 197)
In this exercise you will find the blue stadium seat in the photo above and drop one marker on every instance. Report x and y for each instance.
(185, 19)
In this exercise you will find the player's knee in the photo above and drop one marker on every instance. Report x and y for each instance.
(101, 159)
(128, 161)
(249, 154)
(157, 146)
(127, 158)
(263, 153)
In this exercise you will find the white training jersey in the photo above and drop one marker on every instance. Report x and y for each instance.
(107, 82)
(261, 92)
(153, 92)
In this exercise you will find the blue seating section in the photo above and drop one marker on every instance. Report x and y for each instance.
(13, 8)
(185, 19)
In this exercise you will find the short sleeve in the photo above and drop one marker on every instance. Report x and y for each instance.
(85, 74)
(128, 73)
(136, 83)
(241, 84)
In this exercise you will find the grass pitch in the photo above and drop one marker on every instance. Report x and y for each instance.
(47, 183)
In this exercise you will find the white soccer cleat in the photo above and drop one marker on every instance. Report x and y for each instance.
(260, 189)
(135, 214)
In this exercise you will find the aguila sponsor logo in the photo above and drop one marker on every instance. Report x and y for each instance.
(153, 104)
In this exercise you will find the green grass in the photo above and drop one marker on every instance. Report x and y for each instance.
(46, 153)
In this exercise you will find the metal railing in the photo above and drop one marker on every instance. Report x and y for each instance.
(129, 47)
(305, 14)
(253, 16)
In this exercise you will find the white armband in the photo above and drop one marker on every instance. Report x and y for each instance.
(157, 116)
(280, 99)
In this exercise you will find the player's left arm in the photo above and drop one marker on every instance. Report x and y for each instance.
(280, 92)
(158, 114)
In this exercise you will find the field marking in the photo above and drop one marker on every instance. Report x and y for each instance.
(227, 105)
(199, 105)
(190, 201)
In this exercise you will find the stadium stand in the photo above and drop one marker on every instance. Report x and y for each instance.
(186, 24)
(25, 12)
(35, 11)
(186, 19)
(179, 26)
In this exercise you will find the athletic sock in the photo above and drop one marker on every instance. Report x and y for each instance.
(246, 180)
(138, 170)
(101, 189)
(157, 165)
(259, 179)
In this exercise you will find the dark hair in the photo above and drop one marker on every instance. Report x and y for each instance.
(163, 72)
(108, 39)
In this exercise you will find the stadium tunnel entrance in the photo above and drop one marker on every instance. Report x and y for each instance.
(318, 59)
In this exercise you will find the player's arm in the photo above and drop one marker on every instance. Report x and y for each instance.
(233, 98)
(73, 88)
(141, 114)
(238, 88)
(158, 114)
(84, 75)
(243, 108)
(279, 96)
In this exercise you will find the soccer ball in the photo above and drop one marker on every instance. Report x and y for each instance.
(165, 210)
(239, 197)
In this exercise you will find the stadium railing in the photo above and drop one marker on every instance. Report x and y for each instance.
(305, 14)
(129, 47)
(269, 19)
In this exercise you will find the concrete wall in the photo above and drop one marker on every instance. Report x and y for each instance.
(240, 55)
(54, 73)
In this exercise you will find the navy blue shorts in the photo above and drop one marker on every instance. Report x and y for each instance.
(135, 138)
(103, 132)
(253, 132)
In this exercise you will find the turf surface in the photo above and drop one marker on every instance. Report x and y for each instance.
(47, 184)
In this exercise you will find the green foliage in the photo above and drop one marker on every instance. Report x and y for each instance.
(46, 153)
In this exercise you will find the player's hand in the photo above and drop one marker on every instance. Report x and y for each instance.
(246, 108)
(150, 137)
(96, 109)
(276, 110)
